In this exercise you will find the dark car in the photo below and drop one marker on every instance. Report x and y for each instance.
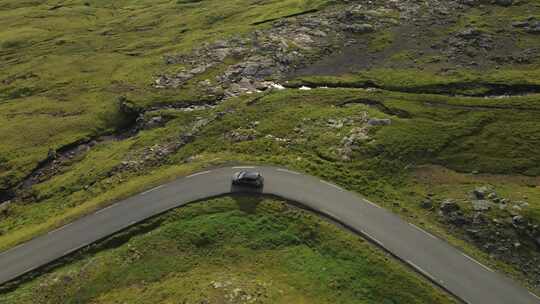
(248, 178)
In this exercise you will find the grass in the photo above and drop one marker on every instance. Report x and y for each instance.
(270, 251)
(394, 147)
(458, 82)
(64, 65)
(441, 131)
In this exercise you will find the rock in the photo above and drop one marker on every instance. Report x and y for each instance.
(481, 192)
(198, 70)
(4, 207)
(481, 205)
(469, 33)
(426, 204)
(335, 123)
(448, 206)
(458, 219)
(533, 28)
(359, 28)
(241, 135)
(51, 154)
(183, 76)
(504, 2)
(520, 24)
(379, 122)
(518, 220)
(493, 196)
(154, 122)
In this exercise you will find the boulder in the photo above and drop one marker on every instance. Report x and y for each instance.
(449, 206)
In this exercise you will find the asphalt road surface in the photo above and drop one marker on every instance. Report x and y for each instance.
(443, 264)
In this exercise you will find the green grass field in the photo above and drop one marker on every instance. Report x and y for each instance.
(65, 64)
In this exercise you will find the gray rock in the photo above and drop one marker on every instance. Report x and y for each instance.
(426, 204)
(359, 28)
(481, 205)
(518, 220)
(493, 196)
(520, 24)
(153, 122)
(458, 219)
(379, 121)
(449, 206)
(198, 70)
(504, 2)
(533, 28)
(516, 208)
(469, 33)
(4, 207)
(481, 192)
(51, 154)
(184, 76)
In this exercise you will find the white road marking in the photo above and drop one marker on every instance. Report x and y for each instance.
(200, 173)
(288, 171)
(11, 249)
(133, 223)
(427, 274)
(534, 295)
(101, 210)
(372, 204)
(68, 252)
(331, 185)
(372, 238)
(468, 257)
(61, 228)
(431, 235)
(244, 167)
(153, 189)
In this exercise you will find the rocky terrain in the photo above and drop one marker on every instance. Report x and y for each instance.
(494, 224)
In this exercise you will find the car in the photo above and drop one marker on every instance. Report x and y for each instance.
(248, 178)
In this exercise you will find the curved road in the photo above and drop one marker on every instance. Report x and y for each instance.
(443, 264)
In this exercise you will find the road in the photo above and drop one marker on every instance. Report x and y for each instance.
(443, 264)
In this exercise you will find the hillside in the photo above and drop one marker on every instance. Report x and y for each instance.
(431, 109)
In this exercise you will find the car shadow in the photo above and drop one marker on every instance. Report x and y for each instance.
(235, 189)
(247, 197)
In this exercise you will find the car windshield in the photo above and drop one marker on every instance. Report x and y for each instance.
(250, 175)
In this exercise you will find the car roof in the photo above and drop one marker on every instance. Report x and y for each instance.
(250, 174)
